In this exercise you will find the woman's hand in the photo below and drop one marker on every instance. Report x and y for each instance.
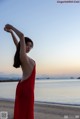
(8, 30)
(8, 26)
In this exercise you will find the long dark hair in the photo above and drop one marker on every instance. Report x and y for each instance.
(17, 61)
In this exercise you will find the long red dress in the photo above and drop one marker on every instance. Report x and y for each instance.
(24, 99)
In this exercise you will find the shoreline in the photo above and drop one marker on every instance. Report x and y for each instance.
(45, 103)
(39, 79)
(59, 104)
(44, 110)
(10, 80)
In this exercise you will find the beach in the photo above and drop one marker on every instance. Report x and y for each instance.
(44, 110)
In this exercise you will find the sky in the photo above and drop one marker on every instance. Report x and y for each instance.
(54, 29)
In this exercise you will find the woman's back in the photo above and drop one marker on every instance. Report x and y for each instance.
(27, 68)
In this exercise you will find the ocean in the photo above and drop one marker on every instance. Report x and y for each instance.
(64, 91)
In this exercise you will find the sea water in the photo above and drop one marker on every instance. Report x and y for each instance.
(66, 91)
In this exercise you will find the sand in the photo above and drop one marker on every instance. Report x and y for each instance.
(44, 110)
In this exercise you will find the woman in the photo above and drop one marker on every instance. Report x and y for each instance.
(24, 98)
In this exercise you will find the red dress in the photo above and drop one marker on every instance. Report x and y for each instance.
(24, 100)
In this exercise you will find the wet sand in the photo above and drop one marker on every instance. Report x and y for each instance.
(45, 110)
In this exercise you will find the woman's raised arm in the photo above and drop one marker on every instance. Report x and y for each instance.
(13, 36)
(22, 41)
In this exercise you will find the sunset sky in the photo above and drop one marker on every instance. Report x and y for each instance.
(54, 29)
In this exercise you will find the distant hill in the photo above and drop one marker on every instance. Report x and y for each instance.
(16, 77)
(7, 79)
(78, 78)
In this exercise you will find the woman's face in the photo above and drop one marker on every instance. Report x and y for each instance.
(28, 47)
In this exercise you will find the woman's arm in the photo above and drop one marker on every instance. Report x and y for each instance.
(19, 33)
(22, 42)
(14, 39)
(13, 36)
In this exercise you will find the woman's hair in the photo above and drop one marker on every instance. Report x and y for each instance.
(17, 61)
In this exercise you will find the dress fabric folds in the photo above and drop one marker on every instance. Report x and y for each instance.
(24, 98)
